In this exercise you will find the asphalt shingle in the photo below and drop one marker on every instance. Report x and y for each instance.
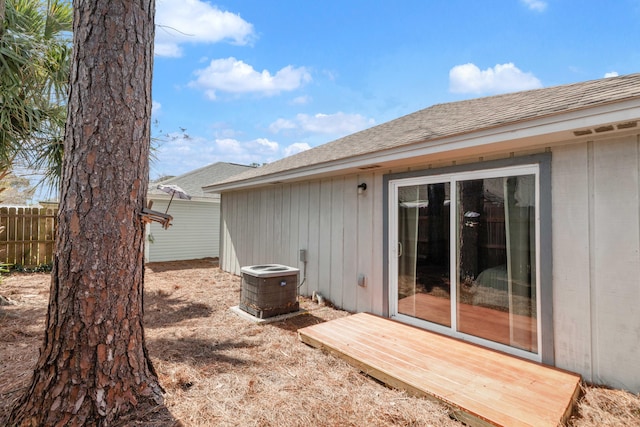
(192, 182)
(456, 118)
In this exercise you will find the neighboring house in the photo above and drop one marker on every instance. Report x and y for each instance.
(195, 229)
(510, 221)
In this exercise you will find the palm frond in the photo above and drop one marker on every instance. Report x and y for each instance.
(35, 51)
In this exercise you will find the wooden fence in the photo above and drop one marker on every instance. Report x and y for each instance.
(27, 235)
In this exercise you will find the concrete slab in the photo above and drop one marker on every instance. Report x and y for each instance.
(250, 317)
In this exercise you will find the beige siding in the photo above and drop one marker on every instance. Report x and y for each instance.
(571, 264)
(376, 279)
(339, 229)
(350, 203)
(195, 232)
(336, 234)
(596, 244)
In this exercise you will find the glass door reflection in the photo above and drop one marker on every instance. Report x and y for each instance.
(496, 257)
(424, 289)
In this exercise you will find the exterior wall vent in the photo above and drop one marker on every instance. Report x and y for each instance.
(607, 128)
(627, 125)
(604, 129)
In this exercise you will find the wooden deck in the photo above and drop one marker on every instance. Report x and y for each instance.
(474, 320)
(481, 386)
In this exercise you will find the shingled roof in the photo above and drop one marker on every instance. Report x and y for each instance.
(192, 182)
(458, 118)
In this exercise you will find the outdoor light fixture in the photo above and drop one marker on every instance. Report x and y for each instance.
(362, 187)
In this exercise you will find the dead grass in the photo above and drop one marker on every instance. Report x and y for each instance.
(219, 369)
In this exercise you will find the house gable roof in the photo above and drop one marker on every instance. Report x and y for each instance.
(192, 182)
(452, 119)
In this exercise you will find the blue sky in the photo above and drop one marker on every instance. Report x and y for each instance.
(252, 81)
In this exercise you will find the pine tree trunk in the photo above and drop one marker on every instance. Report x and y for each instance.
(93, 367)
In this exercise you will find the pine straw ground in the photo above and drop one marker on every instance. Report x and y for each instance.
(218, 369)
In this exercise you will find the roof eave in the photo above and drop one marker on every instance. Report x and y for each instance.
(166, 197)
(540, 131)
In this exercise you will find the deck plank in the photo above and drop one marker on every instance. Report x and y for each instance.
(482, 386)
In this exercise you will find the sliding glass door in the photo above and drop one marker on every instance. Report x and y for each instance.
(463, 256)
(423, 248)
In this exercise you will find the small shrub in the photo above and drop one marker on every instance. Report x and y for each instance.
(42, 268)
(4, 268)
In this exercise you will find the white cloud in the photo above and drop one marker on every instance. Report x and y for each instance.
(229, 145)
(257, 150)
(281, 124)
(502, 78)
(331, 75)
(295, 148)
(301, 100)
(337, 124)
(222, 130)
(265, 145)
(168, 50)
(611, 74)
(537, 5)
(196, 21)
(235, 76)
(155, 107)
(180, 153)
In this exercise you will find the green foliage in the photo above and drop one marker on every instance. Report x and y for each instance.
(4, 268)
(35, 52)
(18, 268)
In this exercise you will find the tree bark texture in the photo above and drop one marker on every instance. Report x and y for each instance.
(93, 367)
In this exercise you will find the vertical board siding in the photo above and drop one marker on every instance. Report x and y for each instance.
(278, 246)
(238, 220)
(194, 232)
(302, 198)
(225, 241)
(293, 247)
(376, 280)
(236, 224)
(246, 233)
(350, 243)
(285, 231)
(596, 247)
(365, 239)
(617, 268)
(336, 238)
(313, 244)
(571, 264)
(327, 218)
(325, 246)
(266, 230)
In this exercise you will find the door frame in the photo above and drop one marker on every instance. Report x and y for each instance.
(544, 245)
